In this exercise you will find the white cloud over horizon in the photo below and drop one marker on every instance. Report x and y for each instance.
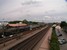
(36, 10)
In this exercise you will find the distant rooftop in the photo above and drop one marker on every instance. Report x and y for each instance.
(17, 25)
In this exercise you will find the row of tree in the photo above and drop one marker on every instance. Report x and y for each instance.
(63, 24)
(24, 21)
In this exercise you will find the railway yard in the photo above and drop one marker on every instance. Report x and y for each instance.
(26, 40)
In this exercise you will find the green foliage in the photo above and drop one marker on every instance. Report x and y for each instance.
(14, 22)
(31, 22)
(54, 44)
(63, 24)
(25, 21)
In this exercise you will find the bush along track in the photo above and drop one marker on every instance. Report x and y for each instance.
(54, 44)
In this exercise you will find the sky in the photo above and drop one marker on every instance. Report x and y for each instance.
(33, 10)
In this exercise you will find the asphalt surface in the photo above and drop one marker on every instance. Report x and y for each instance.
(29, 43)
(64, 46)
(64, 35)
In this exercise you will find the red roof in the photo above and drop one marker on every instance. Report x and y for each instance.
(17, 25)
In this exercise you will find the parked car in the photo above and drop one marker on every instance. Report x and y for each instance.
(59, 35)
(62, 41)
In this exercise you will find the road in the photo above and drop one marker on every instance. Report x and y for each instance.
(64, 46)
(29, 43)
(64, 35)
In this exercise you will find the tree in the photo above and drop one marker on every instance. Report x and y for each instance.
(14, 22)
(31, 22)
(25, 21)
(63, 24)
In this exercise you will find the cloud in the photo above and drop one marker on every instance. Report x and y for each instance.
(37, 9)
(29, 2)
(48, 17)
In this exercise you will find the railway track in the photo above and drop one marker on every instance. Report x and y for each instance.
(3, 40)
(29, 43)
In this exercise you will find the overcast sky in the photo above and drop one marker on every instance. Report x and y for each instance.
(35, 10)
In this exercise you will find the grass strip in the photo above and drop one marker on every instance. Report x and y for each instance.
(54, 44)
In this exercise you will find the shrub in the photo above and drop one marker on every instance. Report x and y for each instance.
(54, 44)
